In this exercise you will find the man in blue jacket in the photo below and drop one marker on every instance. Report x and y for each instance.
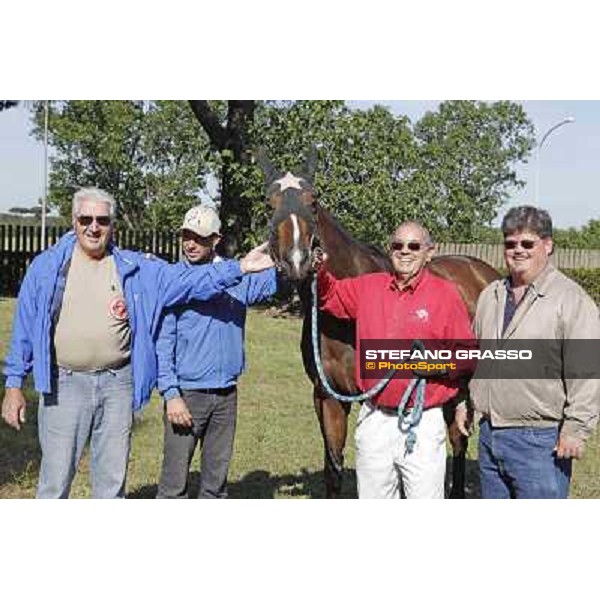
(86, 323)
(200, 357)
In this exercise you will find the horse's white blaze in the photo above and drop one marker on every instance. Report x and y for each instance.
(296, 254)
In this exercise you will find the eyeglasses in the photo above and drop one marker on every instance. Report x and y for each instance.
(399, 246)
(87, 220)
(201, 240)
(525, 244)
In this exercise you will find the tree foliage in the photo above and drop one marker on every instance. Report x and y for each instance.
(467, 153)
(6, 104)
(588, 236)
(361, 154)
(145, 154)
(452, 170)
(22, 210)
(228, 127)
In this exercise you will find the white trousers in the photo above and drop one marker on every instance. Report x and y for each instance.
(384, 467)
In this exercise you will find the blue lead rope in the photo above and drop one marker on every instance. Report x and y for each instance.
(407, 420)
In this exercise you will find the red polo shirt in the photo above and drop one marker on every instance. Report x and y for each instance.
(429, 308)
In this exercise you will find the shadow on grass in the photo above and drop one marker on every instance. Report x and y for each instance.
(262, 484)
(20, 460)
(19, 450)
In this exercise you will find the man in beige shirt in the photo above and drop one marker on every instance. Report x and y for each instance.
(534, 423)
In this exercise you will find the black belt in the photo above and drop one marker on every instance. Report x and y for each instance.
(217, 391)
(55, 368)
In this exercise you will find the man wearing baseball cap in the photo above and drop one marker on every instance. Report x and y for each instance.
(200, 352)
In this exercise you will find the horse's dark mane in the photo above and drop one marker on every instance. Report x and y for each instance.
(378, 255)
(347, 256)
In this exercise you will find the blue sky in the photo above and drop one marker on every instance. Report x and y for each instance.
(569, 166)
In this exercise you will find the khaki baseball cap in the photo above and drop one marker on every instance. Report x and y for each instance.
(202, 220)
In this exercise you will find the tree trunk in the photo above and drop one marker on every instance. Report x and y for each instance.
(234, 137)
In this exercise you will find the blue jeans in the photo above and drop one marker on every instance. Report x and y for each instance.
(86, 405)
(520, 462)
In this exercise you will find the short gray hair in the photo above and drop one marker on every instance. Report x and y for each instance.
(95, 195)
(428, 239)
(521, 218)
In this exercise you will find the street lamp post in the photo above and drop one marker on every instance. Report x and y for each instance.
(539, 151)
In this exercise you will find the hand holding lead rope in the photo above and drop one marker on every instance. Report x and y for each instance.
(318, 258)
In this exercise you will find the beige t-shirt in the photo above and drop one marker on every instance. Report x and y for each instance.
(93, 329)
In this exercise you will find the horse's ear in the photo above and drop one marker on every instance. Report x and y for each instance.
(266, 165)
(310, 165)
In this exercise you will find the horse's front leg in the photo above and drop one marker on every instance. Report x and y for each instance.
(333, 419)
(459, 444)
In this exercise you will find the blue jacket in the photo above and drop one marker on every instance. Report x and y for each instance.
(201, 345)
(149, 284)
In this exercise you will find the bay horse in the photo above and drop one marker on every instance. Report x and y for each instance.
(299, 224)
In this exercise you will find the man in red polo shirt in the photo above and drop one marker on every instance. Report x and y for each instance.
(409, 304)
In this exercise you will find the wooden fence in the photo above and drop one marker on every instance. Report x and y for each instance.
(563, 258)
(19, 244)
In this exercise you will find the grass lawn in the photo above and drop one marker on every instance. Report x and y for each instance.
(278, 448)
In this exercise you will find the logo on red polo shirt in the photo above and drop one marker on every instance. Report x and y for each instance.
(422, 314)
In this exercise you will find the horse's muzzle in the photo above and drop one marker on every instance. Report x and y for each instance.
(297, 264)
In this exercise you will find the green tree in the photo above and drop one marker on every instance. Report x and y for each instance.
(147, 154)
(179, 162)
(465, 168)
(359, 154)
(229, 129)
(588, 236)
(362, 156)
(21, 210)
(452, 170)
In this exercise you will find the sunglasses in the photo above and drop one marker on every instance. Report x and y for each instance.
(198, 239)
(87, 220)
(412, 246)
(525, 244)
